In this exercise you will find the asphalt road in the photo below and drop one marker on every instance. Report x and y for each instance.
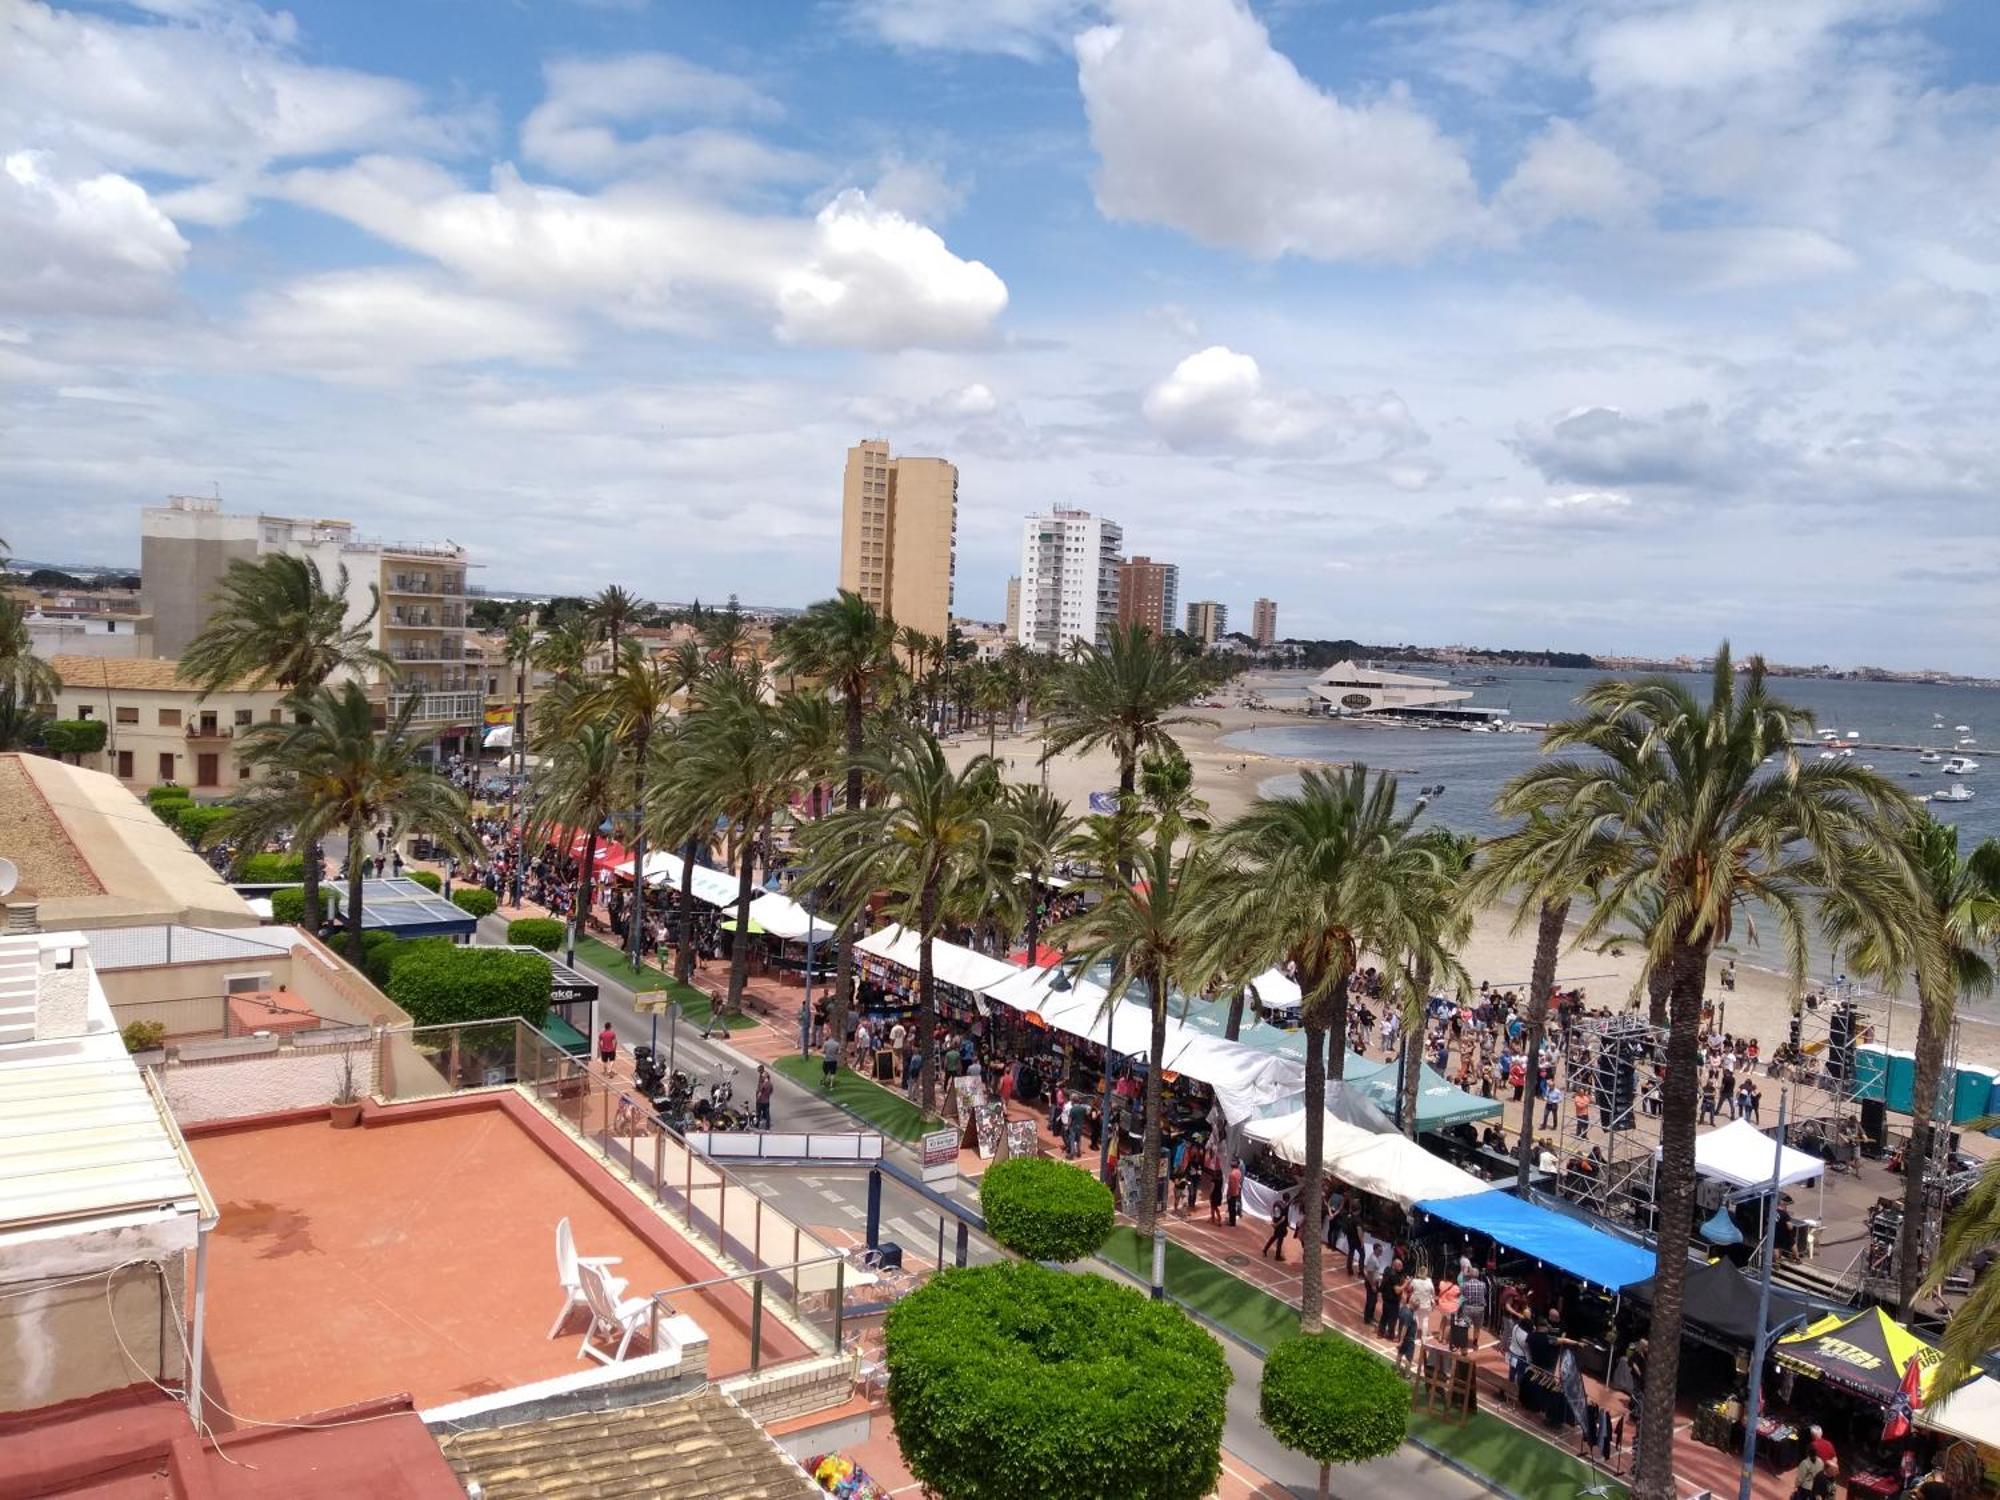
(815, 1195)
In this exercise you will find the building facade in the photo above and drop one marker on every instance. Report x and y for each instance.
(1206, 620)
(1149, 594)
(899, 534)
(1069, 579)
(156, 729)
(187, 545)
(1264, 623)
(1013, 609)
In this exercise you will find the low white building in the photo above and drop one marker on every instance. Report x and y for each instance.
(1347, 689)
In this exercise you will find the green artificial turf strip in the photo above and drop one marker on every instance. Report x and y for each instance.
(610, 962)
(1252, 1315)
(1518, 1461)
(888, 1112)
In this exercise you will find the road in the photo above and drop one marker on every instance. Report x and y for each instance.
(821, 1196)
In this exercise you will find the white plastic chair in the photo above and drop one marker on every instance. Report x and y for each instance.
(610, 1315)
(567, 1264)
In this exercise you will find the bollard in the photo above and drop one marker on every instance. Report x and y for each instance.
(874, 1208)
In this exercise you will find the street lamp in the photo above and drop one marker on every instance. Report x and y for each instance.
(1753, 1404)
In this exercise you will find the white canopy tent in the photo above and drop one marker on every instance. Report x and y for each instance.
(1742, 1155)
(783, 917)
(1275, 992)
(716, 887)
(954, 965)
(1971, 1412)
(499, 737)
(1389, 1166)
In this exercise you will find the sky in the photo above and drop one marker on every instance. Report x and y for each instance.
(1613, 325)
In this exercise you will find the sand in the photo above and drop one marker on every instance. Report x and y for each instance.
(1227, 778)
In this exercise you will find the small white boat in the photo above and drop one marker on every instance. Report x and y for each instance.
(1963, 728)
(1829, 734)
(1958, 791)
(1854, 734)
(1930, 758)
(1829, 755)
(1867, 765)
(1960, 765)
(1966, 741)
(1847, 754)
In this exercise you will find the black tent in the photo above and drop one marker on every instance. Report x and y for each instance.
(1722, 1302)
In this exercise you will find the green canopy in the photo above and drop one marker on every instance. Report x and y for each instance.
(728, 924)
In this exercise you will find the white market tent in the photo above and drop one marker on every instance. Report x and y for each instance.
(1971, 1412)
(950, 963)
(1275, 992)
(1742, 1155)
(716, 887)
(1389, 1166)
(499, 737)
(783, 917)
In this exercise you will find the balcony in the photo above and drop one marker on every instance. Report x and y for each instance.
(208, 731)
(441, 651)
(403, 618)
(444, 585)
(441, 707)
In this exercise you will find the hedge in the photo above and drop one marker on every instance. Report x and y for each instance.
(288, 904)
(545, 933)
(446, 983)
(270, 869)
(475, 900)
(195, 820)
(426, 878)
(1014, 1382)
(1045, 1209)
(74, 736)
(166, 791)
(1332, 1400)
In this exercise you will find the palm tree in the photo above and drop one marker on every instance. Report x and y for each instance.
(1439, 917)
(994, 695)
(611, 614)
(1543, 866)
(686, 668)
(1313, 878)
(633, 701)
(1044, 832)
(847, 644)
(1948, 952)
(276, 623)
(928, 848)
(520, 649)
(25, 679)
(726, 637)
(1681, 787)
(330, 770)
(578, 785)
(564, 649)
(1123, 696)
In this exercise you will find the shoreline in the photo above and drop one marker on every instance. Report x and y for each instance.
(1228, 778)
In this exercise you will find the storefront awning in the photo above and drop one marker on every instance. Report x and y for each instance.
(1529, 1229)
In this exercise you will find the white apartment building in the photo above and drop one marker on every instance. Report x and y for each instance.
(1069, 579)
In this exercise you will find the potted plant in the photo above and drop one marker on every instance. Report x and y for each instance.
(345, 1111)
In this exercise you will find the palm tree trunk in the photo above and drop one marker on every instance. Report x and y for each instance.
(1034, 917)
(684, 955)
(1931, 1039)
(1654, 1479)
(1149, 1153)
(636, 931)
(1659, 984)
(581, 902)
(1311, 1269)
(314, 856)
(843, 956)
(1413, 1061)
(1235, 1022)
(357, 834)
(1548, 937)
(739, 950)
(927, 999)
(1336, 1038)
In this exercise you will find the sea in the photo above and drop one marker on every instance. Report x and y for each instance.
(1472, 768)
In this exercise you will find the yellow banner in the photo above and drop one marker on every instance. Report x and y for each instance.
(496, 716)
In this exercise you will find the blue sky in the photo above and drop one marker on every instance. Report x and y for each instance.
(1598, 324)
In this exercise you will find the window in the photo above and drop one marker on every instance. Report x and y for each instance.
(166, 765)
(83, 710)
(243, 770)
(170, 718)
(243, 717)
(126, 714)
(124, 765)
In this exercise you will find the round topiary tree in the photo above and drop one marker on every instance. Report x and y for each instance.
(428, 879)
(475, 899)
(1333, 1401)
(545, 933)
(1045, 1209)
(1014, 1382)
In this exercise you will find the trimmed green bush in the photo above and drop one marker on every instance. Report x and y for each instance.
(74, 736)
(476, 900)
(444, 983)
(1045, 1209)
(428, 879)
(195, 820)
(545, 933)
(270, 869)
(167, 791)
(143, 1036)
(1334, 1401)
(1014, 1382)
(288, 904)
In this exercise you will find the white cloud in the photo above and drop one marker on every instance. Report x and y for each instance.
(95, 244)
(975, 400)
(1016, 28)
(1566, 175)
(369, 323)
(1201, 125)
(1580, 510)
(874, 279)
(1217, 398)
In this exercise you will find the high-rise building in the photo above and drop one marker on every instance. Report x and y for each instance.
(898, 534)
(1069, 579)
(187, 544)
(1149, 594)
(1013, 609)
(1206, 620)
(1264, 623)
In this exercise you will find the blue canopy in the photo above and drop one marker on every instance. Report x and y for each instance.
(1563, 1242)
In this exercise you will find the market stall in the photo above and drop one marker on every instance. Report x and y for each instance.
(1546, 1235)
(1384, 1165)
(1885, 1373)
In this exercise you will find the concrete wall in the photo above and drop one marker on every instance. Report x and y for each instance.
(227, 1080)
(925, 517)
(181, 560)
(59, 1339)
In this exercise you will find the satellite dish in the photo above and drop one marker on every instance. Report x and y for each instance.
(9, 877)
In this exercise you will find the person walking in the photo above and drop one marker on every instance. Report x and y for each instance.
(1233, 1192)
(1472, 1303)
(1423, 1299)
(1551, 1103)
(607, 1045)
(1394, 1280)
(1280, 1221)
(764, 1089)
(1215, 1175)
(831, 1063)
(805, 1029)
(1073, 1116)
(1371, 1281)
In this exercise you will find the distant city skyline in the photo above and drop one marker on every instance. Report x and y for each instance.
(1602, 328)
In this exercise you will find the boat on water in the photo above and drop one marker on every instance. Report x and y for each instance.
(1928, 758)
(1854, 734)
(1958, 791)
(1960, 765)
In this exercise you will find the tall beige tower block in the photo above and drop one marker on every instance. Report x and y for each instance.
(898, 534)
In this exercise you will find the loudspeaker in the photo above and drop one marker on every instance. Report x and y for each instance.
(1875, 1126)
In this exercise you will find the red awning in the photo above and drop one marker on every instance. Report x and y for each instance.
(609, 851)
(1045, 956)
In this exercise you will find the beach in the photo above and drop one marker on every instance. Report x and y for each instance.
(1227, 778)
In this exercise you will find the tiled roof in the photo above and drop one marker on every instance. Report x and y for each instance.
(699, 1447)
(133, 674)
